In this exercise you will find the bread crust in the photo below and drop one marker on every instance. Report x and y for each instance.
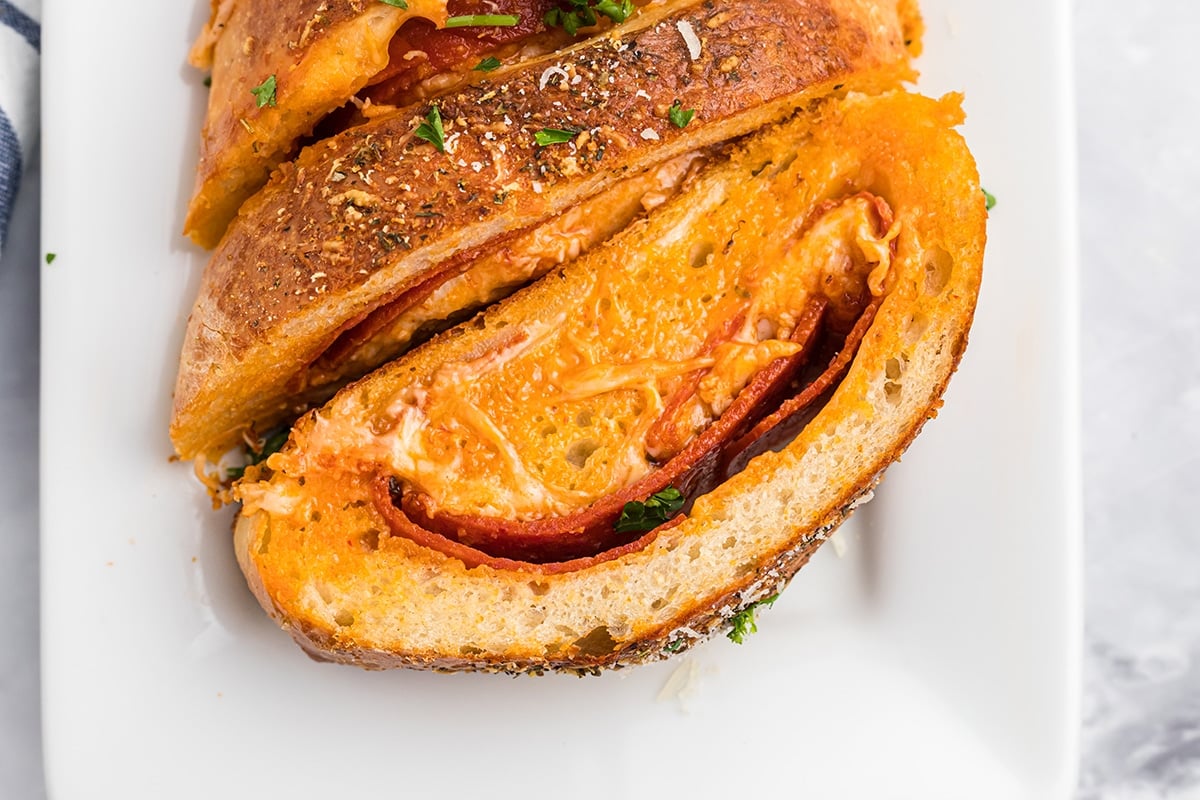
(326, 569)
(361, 218)
(320, 53)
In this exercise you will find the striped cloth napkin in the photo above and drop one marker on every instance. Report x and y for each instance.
(20, 46)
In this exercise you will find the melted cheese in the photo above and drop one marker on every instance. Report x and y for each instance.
(558, 413)
(277, 500)
(841, 256)
(736, 364)
(531, 256)
(598, 379)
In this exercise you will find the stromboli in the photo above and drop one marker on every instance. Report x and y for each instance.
(296, 273)
(334, 571)
(320, 54)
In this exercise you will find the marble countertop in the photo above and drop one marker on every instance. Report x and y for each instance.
(1139, 209)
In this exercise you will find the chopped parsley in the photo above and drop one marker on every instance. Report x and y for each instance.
(264, 93)
(639, 517)
(396, 3)
(549, 136)
(271, 445)
(50, 257)
(484, 21)
(617, 12)
(989, 199)
(582, 14)
(678, 116)
(743, 622)
(487, 65)
(208, 81)
(431, 129)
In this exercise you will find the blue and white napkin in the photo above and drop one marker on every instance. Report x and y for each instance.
(20, 48)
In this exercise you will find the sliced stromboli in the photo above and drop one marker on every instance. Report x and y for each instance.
(282, 74)
(281, 71)
(640, 371)
(369, 223)
(311, 54)
(458, 509)
(389, 330)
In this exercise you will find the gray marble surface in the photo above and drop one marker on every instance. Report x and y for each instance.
(1139, 113)
(1139, 151)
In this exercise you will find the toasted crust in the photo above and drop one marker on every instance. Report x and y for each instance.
(320, 52)
(358, 219)
(319, 556)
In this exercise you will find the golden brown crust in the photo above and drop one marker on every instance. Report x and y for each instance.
(327, 570)
(360, 218)
(702, 622)
(320, 53)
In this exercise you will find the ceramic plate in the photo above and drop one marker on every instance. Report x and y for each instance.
(937, 658)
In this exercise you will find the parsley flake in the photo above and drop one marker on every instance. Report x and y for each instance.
(50, 257)
(678, 116)
(264, 93)
(484, 21)
(989, 199)
(396, 3)
(431, 129)
(271, 445)
(487, 65)
(617, 12)
(743, 623)
(639, 517)
(582, 14)
(549, 136)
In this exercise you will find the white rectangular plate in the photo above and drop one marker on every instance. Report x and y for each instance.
(937, 659)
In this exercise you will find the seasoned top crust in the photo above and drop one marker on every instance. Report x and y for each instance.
(358, 219)
(320, 53)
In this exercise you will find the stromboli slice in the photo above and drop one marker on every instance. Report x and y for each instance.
(316, 53)
(638, 371)
(363, 220)
(348, 583)
(319, 56)
(389, 330)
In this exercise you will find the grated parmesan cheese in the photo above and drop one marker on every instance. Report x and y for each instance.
(549, 74)
(682, 685)
(862, 500)
(837, 540)
(690, 38)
